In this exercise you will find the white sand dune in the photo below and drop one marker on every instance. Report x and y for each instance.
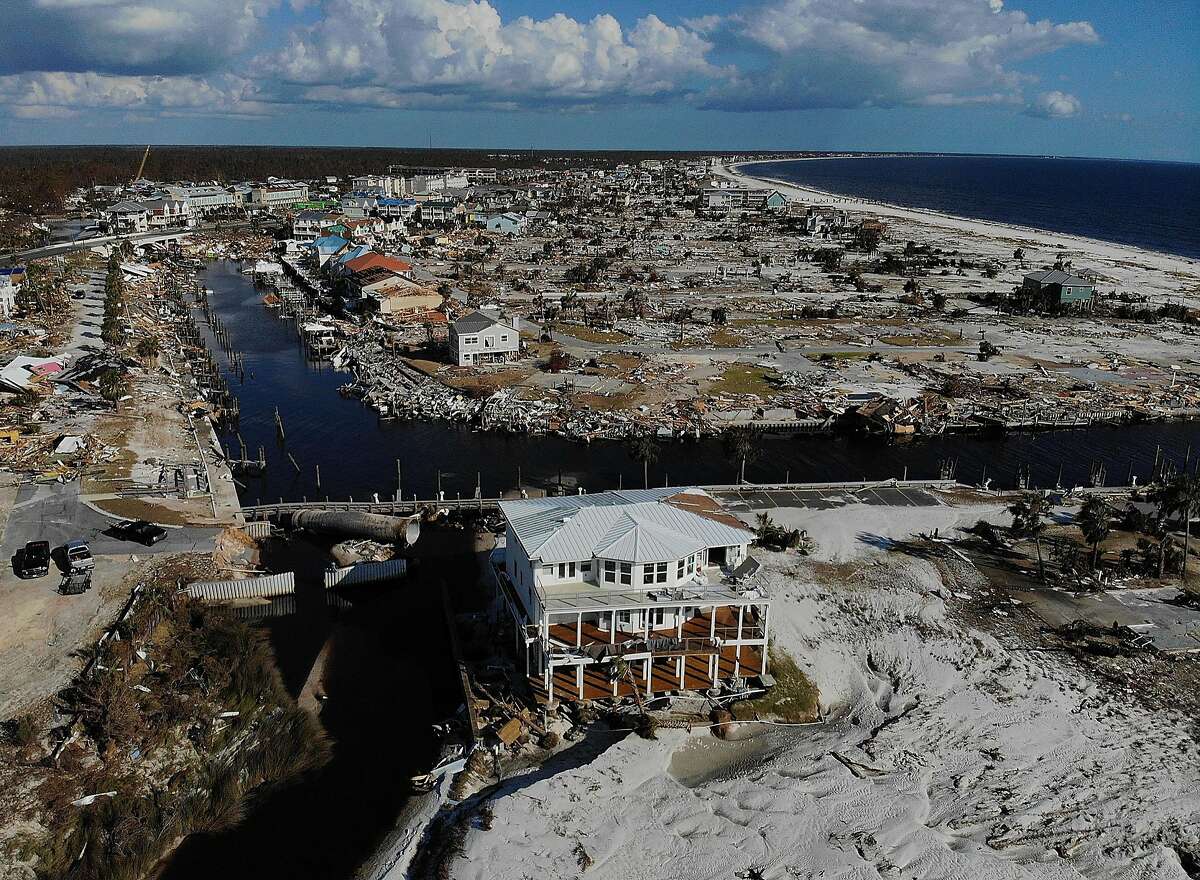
(950, 757)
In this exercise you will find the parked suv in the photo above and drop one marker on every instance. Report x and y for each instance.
(34, 560)
(141, 531)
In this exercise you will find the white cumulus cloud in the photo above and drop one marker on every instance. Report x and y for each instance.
(207, 56)
(128, 37)
(885, 53)
(1054, 105)
(416, 53)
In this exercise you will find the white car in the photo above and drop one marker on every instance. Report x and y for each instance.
(79, 556)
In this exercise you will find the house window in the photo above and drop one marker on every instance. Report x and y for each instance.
(585, 567)
(504, 337)
(657, 616)
(623, 617)
(548, 570)
(626, 573)
(648, 573)
(661, 573)
(489, 342)
(470, 340)
(610, 571)
(679, 569)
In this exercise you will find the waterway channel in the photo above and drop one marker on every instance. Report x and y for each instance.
(388, 675)
(357, 453)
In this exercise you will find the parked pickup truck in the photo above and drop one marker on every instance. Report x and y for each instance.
(78, 556)
(34, 560)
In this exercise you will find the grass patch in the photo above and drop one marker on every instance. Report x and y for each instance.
(939, 338)
(724, 338)
(741, 379)
(590, 334)
(135, 508)
(429, 368)
(482, 385)
(793, 699)
(603, 402)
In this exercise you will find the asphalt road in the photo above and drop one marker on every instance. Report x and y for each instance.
(82, 244)
(53, 512)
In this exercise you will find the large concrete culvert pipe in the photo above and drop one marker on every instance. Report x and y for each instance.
(401, 530)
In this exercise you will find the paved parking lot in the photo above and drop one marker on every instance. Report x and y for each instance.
(747, 500)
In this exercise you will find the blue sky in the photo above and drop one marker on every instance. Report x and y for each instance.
(1094, 78)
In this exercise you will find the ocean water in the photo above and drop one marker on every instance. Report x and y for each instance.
(1154, 205)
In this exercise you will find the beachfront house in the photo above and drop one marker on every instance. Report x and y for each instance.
(1055, 290)
(643, 576)
(478, 338)
(740, 198)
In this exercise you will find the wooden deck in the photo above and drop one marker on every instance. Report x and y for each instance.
(664, 675)
(699, 627)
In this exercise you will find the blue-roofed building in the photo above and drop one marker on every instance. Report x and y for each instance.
(651, 577)
(327, 247)
(396, 209)
(351, 254)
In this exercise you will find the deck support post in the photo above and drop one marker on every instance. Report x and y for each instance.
(766, 628)
(679, 664)
(737, 653)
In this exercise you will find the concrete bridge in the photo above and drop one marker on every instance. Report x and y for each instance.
(744, 496)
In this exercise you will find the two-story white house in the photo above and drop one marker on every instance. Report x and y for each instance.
(126, 217)
(478, 338)
(642, 576)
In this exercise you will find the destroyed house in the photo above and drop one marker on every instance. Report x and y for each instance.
(649, 577)
(1053, 289)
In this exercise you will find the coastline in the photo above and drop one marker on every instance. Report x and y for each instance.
(1045, 238)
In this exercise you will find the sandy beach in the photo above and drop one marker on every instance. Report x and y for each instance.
(1020, 235)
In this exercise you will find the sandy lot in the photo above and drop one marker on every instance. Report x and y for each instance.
(947, 752)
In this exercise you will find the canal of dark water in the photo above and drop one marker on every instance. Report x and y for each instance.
(388, 674)
(357, 452)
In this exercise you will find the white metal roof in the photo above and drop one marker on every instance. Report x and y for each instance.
(631, 525)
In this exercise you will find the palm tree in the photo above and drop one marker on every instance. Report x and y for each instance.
(643, 448)
(740, 444)
(113, 385)
(1093, 522)
(147, 349)
(1182, 496)
(1029, 513)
